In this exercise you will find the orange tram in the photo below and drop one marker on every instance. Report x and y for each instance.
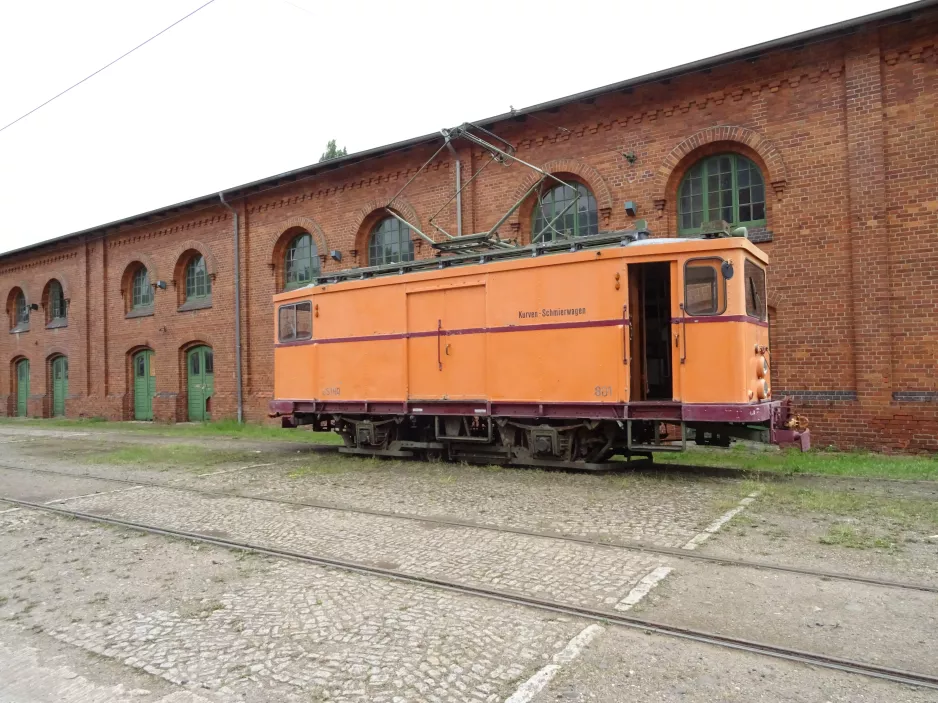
(563, 353)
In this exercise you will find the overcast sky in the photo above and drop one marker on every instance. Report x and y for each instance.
(246, 89)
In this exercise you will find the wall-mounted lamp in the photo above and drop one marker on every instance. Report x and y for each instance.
(629, 156)
(336, 255)
(34, 306)
(630, 208)
(161, 285)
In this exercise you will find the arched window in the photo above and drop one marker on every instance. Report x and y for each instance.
(724, 187)
(301, 264)
(198, 283)
(141, 290)
(390, 243)
(56, 302)
(20, 311)
(578, 220)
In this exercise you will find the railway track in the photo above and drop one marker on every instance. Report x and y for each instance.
(606, 616)
(453, 522)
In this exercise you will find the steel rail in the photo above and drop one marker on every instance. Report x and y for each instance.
(605, 616)
(628, 545)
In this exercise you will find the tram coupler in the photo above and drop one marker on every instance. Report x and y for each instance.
(789, 429)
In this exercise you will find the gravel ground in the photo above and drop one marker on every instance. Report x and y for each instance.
(627, 665)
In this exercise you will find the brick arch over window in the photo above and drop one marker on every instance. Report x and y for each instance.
(581, 172)
(19, 286)
(184, 253)
(128, 266)
(183, 256)
(63, 281)
(371, 214)
(45, 303)
(289, 229)
(713, 139)
(12, 295)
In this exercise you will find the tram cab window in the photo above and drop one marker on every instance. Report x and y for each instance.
(754, 279)
(295, 322)
(704, 287)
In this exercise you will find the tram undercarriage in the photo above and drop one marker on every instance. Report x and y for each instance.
(590, 444)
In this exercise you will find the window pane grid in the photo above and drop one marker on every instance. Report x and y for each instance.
(21, 311)
(578, 221)
(142, 295)
(390, 243)
(56, 301)
(301, 262)
(727, 187)
(198, 284)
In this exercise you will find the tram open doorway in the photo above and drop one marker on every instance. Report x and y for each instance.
(650, 319)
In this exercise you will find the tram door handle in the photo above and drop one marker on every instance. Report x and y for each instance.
(683, 333)
(626, 338)
(439, 344)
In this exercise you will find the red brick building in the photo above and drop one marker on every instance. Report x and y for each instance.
(825, 145)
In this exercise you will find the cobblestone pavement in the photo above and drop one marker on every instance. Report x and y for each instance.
(573, 573)
(198, 617)
(665, 511)
(159, 620)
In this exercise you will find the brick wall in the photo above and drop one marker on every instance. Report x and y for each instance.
(843, 131)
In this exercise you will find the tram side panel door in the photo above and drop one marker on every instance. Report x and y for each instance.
(650, 331)
(446, 344)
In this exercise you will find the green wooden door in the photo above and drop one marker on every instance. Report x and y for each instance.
(59, 384)
(144, 385)
(22, 387)
(200, 368)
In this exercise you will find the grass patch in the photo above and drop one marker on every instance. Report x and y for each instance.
(174, 455)
(826, 463)
(842, 535)
(218, 428)
(898, 513)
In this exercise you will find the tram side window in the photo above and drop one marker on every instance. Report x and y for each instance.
(755, 290)
(704, 287)
(295, 322)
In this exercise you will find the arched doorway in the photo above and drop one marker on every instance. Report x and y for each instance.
(59, 385)
(200, 383)
(144, 384)
(22, 387)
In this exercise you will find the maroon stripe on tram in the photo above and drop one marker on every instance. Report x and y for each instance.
(719, 318)
(456, 332)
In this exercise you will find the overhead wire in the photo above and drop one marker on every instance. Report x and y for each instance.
(124, 55)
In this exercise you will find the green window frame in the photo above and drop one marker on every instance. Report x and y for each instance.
(141, 290)
(726, 187)
(198, 282)
(20, 310)
(301, 262)
(578, 221)
(57, 307)
(390, 243)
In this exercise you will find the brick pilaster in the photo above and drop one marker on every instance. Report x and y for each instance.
(869, 242)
